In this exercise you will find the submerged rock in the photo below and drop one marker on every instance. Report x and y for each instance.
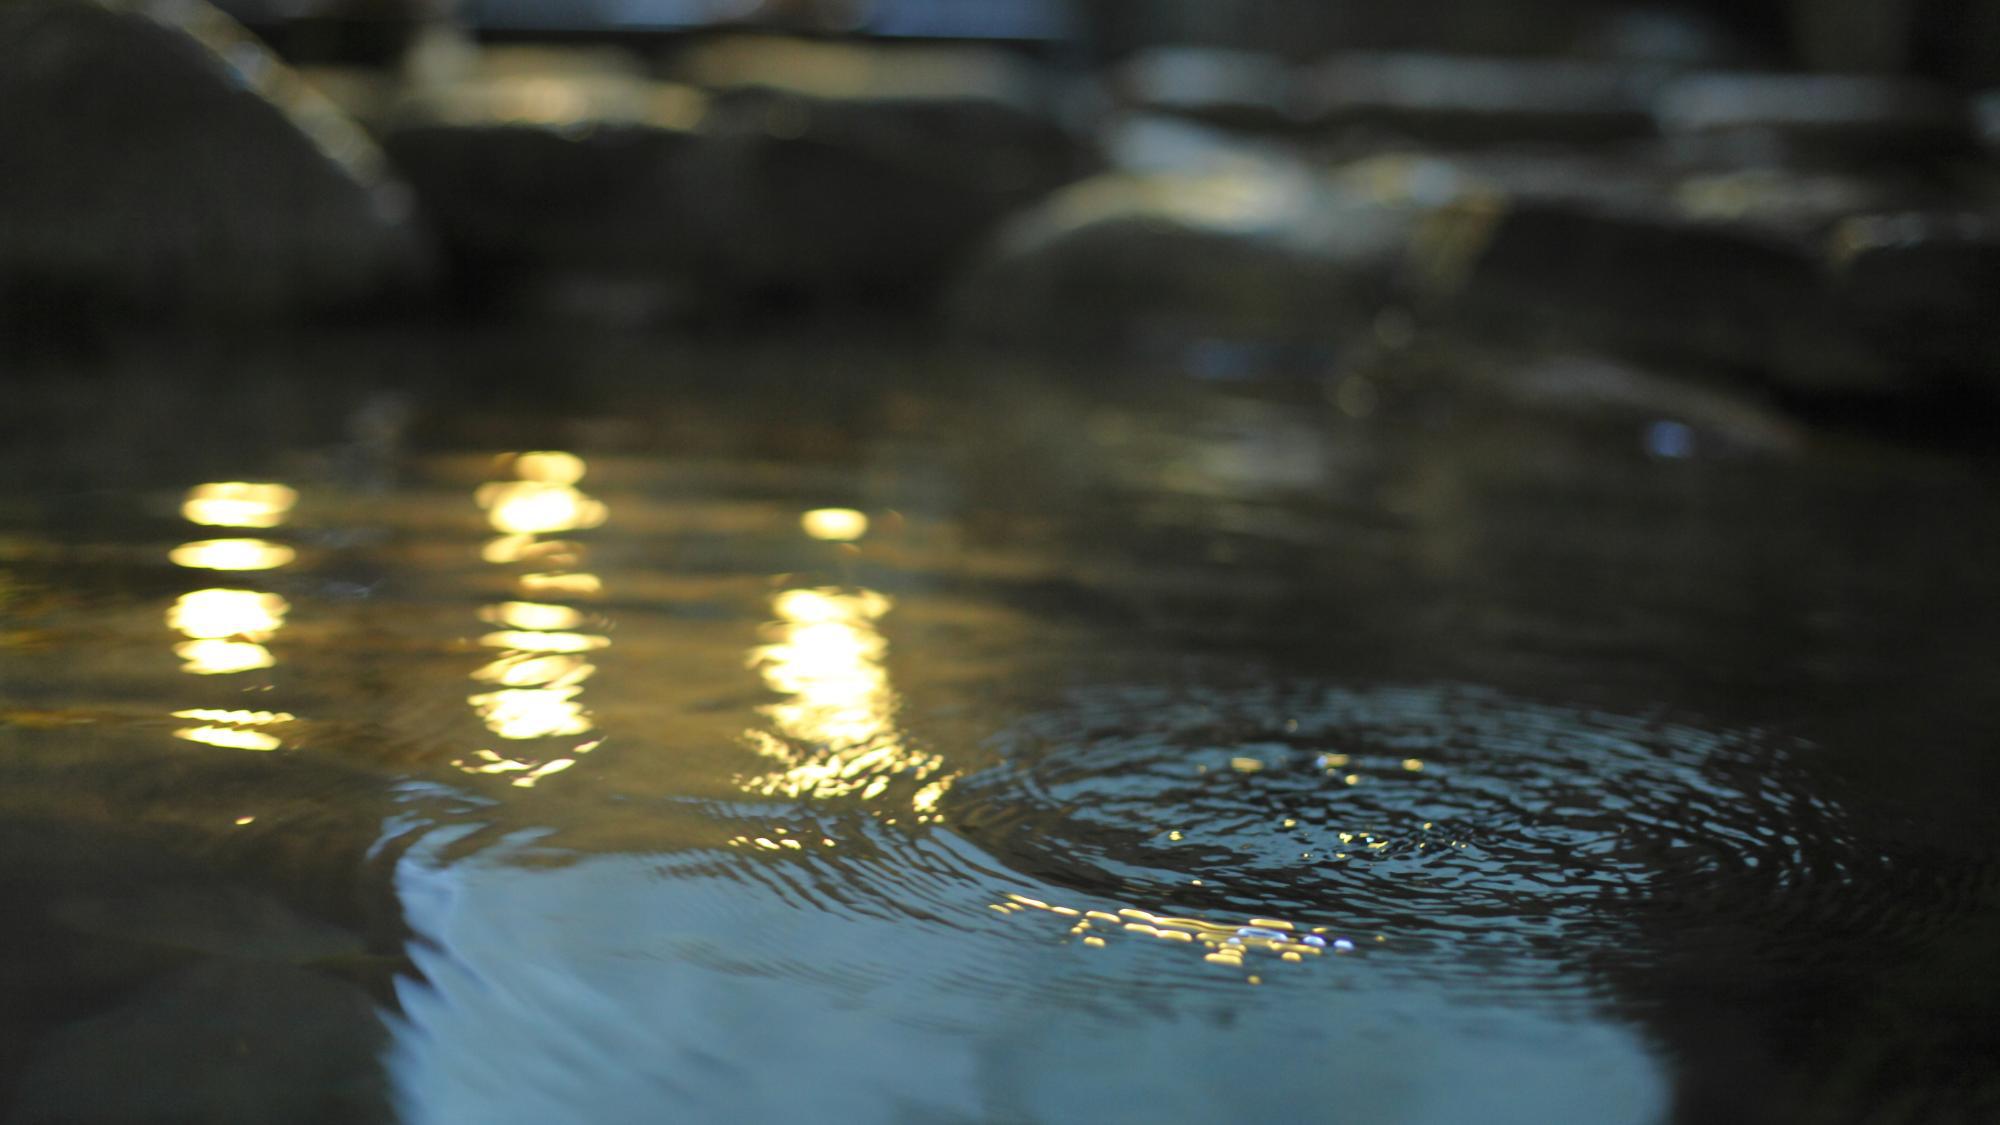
(1471, 100)
(219, 920)
(162, 161)
(222, 1042)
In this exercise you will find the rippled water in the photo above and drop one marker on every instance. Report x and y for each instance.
(547, 729)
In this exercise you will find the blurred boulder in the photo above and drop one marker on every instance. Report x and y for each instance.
(1306, 29)
(1469, 100)
(1235, 244)
(1236, 89)
(1925, 285)
(1724, 272)
(1986, 120)
(162, 162)
(843, 171)
(1676, 37)
(1745, 118)
(537, 169)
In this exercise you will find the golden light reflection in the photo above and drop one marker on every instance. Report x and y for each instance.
(250, 614)
(230, 738)
(836, 732)
(524, 670)
(522, 713)
(539, 674)
(238, 504)
(840, 525)
(524, 640)
(525, 507)
(225, 627)
(532, 615)
(232, 554)
(216, 657)
(549, 467)
(1228, 944)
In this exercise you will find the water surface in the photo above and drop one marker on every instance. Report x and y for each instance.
(551, 729)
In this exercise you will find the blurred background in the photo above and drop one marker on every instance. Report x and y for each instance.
(1796, 198)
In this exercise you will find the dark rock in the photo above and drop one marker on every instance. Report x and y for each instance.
(1986, 120)
(532, 175)
(1844, 119)
(161, 161)
(1672, 37)
(1235, 89)
(1469, 100)
(1234, 247)
(833, 171)
(220, 1042)
(1925, 287)
(1307, 29)
(1723, 272)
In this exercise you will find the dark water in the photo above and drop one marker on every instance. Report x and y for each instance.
(558, 730)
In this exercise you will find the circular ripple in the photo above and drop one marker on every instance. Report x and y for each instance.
(1425, 817)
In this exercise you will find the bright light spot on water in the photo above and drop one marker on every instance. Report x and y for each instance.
(1245, 765)
(549, 467)
(215, 613)
(230, 738)
(532, 615)
(522, 670)
(1414, 765)
(238, 718)
(536, 508)
(574, 584)
(521, 713)
(834, 524)
(838, 722)
(522, 640)
(232, 554)
(238, 504)
(212, 657)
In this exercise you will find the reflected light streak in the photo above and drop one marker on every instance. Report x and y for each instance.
(230, 738)
(1227, 944)
(532, 615)
(535, 508)
(215, 613)
(523, 670)
(522, 713)
(522, 640)
(840, 525)
(238, 504)
(539, 676)
(838, 726)
(238, 718)
(549, 467)
(217, 657)
(232, 554)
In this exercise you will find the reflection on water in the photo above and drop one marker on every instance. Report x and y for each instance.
(227, 628)
(836, 733)
(539, 672)
(238, 504)
(1171, 750)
